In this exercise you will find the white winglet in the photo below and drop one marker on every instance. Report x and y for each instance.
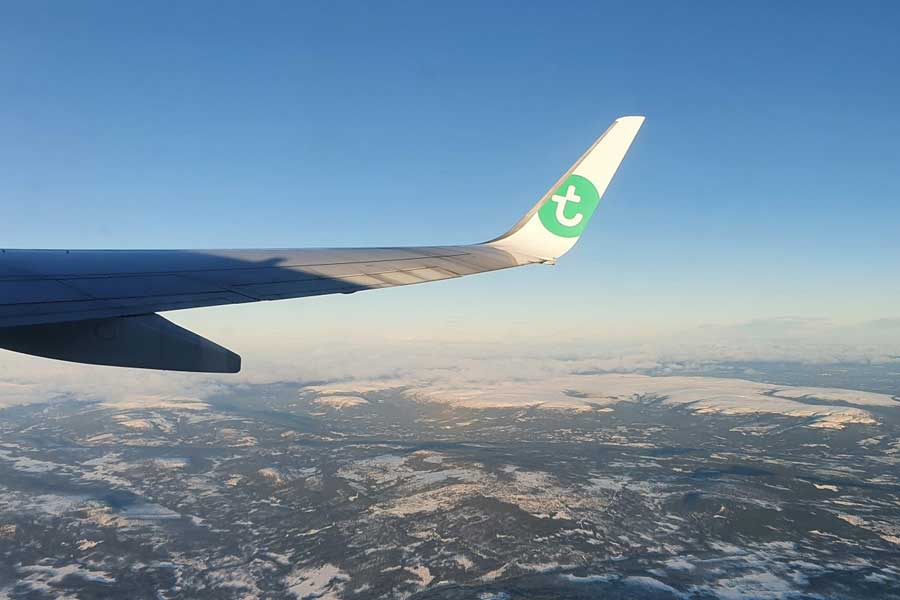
(555, 223)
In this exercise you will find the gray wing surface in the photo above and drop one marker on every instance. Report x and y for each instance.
(100, 306)
(54, 286)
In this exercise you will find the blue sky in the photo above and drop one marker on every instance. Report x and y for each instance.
(765, 182)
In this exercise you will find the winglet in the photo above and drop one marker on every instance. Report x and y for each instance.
(555, 223)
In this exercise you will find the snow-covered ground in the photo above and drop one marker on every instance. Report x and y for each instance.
(823, 407)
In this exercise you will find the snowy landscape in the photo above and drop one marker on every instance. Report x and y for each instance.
(636, 485)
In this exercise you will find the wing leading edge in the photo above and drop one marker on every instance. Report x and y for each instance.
(60, 304)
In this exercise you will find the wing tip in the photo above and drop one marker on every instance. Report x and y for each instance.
(232, 363)
(543, 236)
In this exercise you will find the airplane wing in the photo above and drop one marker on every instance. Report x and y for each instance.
(99, 306)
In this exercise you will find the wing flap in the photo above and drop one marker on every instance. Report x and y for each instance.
(61, 311)
(297, 289)
(140, 286)
(23, 292)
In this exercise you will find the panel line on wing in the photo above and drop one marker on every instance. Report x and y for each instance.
(175, 272)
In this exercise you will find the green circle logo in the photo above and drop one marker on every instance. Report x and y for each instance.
(567, 211)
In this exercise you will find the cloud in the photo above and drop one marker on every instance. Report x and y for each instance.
(786, 338)
(270, 358)
(699, 395)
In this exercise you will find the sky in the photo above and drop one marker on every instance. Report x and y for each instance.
(763, 190)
